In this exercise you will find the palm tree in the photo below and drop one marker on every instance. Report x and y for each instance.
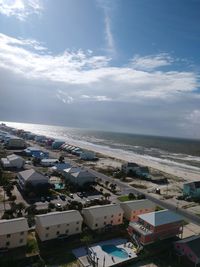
(20, 208)
(107, 195)
(31, 210)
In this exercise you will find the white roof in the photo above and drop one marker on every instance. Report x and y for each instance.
(138, 204)
(13, 226)
(83, 173)
(161, 217)
(32, 175)
(99, 211)
(55, 218)
(49, 160)
(72, 169)
(13, 156)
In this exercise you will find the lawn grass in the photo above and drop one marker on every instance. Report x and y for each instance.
(123, 198)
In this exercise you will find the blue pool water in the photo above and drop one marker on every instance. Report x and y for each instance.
(115, 251)
(59, 186)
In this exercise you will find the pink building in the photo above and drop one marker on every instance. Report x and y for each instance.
(155, 226)
(190, 248)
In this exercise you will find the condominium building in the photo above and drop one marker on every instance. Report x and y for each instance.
(13, 233)
(58, 224)
(98, 217)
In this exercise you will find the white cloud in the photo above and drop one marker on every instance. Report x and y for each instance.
(107, 8)
(194, 117)
(85, 74)
(96, 98)
(151, 62)
(21, 9)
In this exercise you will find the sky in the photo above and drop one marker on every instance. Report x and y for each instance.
(117, 65)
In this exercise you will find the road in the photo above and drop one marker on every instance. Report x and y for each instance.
(126, 189)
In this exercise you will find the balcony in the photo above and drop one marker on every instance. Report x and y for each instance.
(140, 228)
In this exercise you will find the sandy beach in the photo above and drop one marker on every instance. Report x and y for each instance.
(182, 172)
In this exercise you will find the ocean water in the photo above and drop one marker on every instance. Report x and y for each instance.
(181, 153)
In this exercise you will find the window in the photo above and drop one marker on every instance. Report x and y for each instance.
(67, 231)
(21, 233)
(120, 214)
(119, 220)
(47, 235)
(57, 232)
(7, 244)
(112, 216)
(111, 222)
(21, 241)
(58, 226)
(8, 236)
(104, 223)
(105, 217)
(77, 229)
(77, 222)
(96, 224)
(47, 228)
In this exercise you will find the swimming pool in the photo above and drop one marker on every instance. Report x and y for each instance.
(115, 251)
(59, 186)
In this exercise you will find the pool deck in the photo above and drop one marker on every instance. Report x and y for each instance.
(104, 259)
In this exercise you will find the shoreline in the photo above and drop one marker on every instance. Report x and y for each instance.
(172, 168)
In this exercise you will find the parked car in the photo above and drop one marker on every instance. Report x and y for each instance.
(58, 206)
(63, 197)
(80, 194)
(48, 198)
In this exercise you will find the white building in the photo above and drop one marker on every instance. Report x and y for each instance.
(48, 162)
(15, 142)
(13, 161)
(13, 233)
(98, 217)
(58, 224)
(134, 208)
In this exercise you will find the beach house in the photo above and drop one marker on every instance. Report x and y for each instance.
(60, 167)
(129, 167)
(14, 142)
(143, 172)
(99, 217)
(13, 233)
(155, 226)
(134, 208)
(192, 189)
(87, 155)
(58, 224)
(48, 162)
(78, 176)
(12, 161)
(57, 144)
(189, 248)
(33, 181)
